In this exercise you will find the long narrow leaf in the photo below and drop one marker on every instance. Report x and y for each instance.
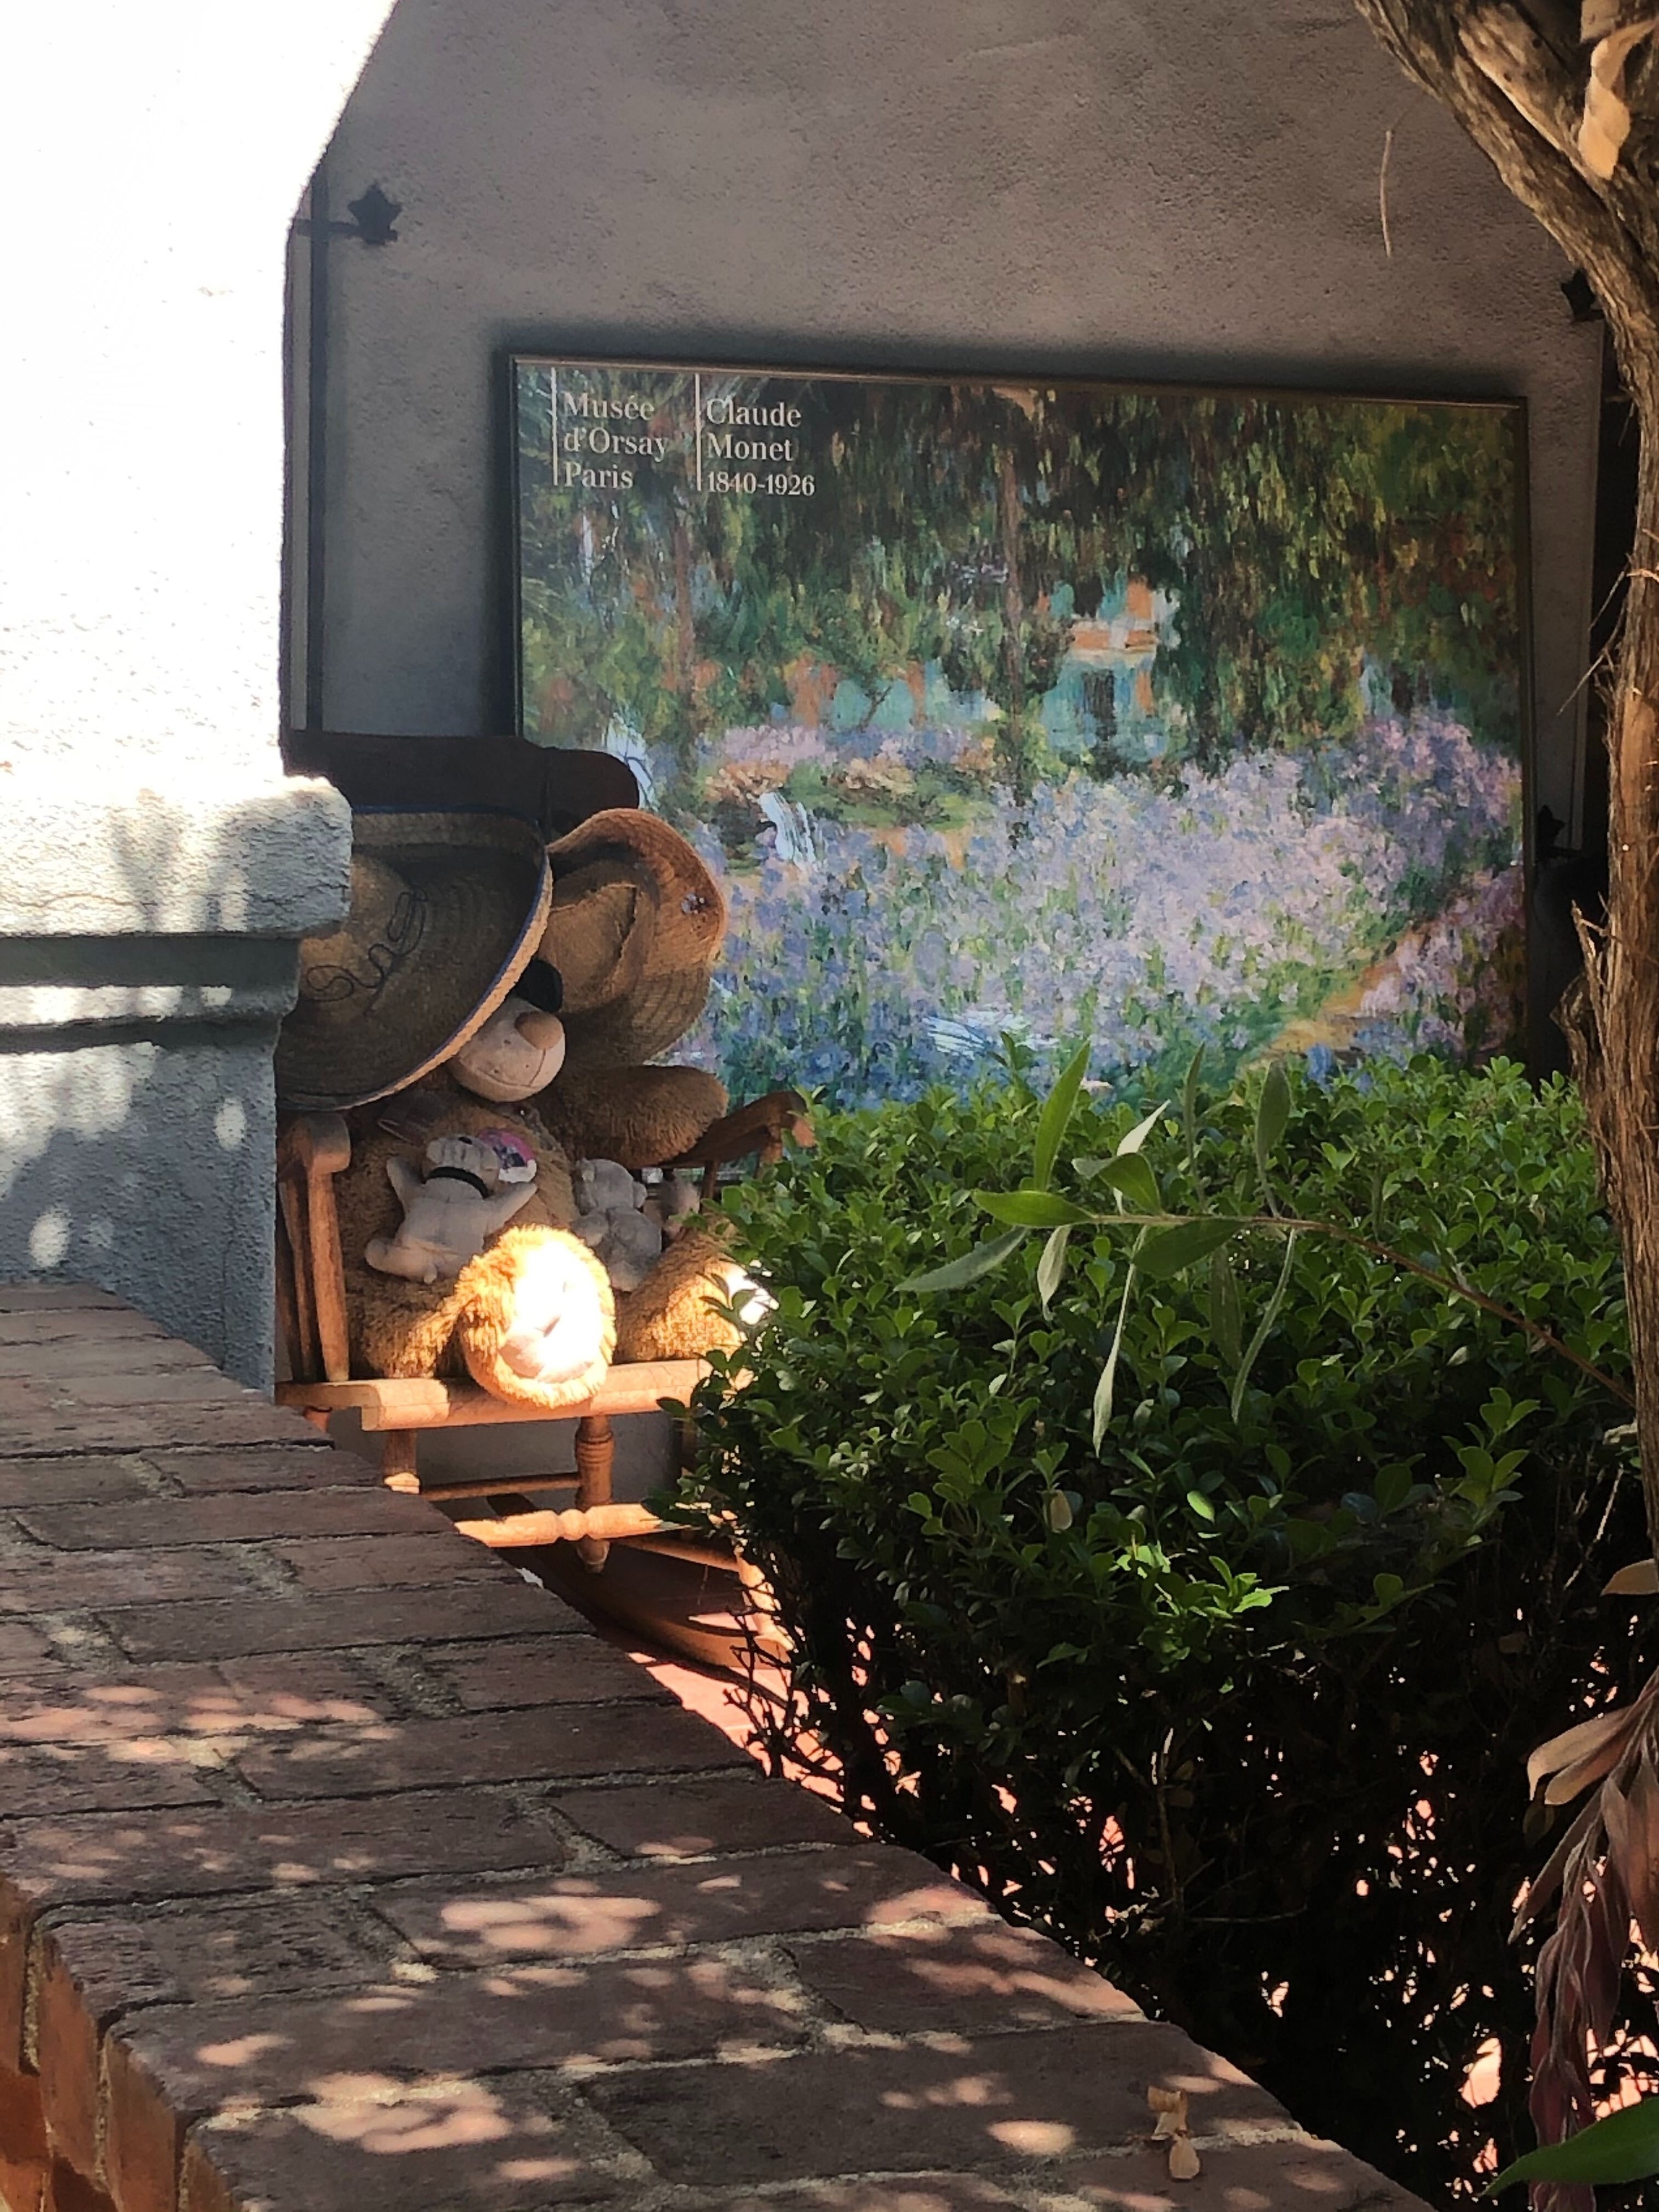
(1105, 1389)
(1051, 1267)
(1574, 1745)
(1057, 1117)
(956, 1274)
(1031, 1209)
(1264, 1329)
(1168, 1251)
(1129, 1176)
(1189, 1109)
(1623, 2147)
(1226, 1313)
(1137, 1136)
(1272, 1115)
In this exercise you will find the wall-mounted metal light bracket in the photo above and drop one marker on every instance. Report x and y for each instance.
(373, 218)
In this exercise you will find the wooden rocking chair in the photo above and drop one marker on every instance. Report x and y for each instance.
(311, 1151)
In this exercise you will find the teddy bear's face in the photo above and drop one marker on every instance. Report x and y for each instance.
(518, 1052)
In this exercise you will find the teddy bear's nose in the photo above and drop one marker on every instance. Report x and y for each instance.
(542, 1030)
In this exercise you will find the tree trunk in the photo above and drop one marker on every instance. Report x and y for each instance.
(1614, 1018)
(1016, 746)
(1516, 80)
(686, 646)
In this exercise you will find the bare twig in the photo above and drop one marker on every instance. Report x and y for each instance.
(1382, 185)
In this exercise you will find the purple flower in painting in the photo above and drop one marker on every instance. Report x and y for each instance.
(1222, 908)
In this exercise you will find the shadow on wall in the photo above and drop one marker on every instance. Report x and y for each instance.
(136, 1119)
(146, 1167)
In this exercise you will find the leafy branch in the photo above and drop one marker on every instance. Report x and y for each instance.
(1168, 1243)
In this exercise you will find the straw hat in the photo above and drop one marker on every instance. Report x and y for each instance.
(636, 928)
(446, 907)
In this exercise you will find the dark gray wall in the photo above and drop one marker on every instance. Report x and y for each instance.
(1181, 189)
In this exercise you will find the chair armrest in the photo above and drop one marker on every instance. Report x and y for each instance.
(312, 1149)
(316, 1144)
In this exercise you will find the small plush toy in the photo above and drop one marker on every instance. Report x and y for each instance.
(520, 1048)
(535, 1319)
(611, 1222)
(671, 1197)
(532, 1317)
(472, 1187)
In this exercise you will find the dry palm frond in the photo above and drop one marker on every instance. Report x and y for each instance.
(1617, 28)
(1606, 1870)
(1174, 2127)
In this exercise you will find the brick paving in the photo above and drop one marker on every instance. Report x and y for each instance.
(343, 1870)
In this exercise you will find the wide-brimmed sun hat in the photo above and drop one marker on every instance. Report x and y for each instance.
(636, 926)
(447, 909)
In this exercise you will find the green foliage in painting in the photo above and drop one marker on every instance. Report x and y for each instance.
(963, 527)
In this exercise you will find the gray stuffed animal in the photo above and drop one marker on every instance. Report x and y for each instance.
(609, 1220)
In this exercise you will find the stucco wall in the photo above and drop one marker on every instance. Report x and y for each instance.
(1094, 186)
(158, 868)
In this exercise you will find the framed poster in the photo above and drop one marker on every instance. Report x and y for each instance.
(1007, 708)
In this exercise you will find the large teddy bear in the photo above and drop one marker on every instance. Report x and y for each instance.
(488, 1015)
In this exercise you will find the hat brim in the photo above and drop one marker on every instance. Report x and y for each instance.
(658, 983)
(479, 889)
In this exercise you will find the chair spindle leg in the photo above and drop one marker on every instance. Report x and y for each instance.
(595, 1452)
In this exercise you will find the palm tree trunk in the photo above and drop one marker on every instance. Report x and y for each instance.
(1515, 79)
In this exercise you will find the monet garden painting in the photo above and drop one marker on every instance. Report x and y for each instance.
(1165, 718)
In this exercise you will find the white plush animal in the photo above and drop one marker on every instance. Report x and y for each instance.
(473, 1186)
(610, 1222)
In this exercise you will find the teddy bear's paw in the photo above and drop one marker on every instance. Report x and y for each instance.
(749, 1300)
(695, 1300)
(415, 1259)
(537, 1322)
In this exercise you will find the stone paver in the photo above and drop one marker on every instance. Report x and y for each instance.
(352, 1511)
(535, 1670)
(963, 1981)
(997, 2101)
(342, 1871)
(724, 1812)
(894, 2192)
(575, 1916)
(422, 1754)
(422, 1559)
(473, 2146)
(507, 1607)
(304, 1461)
(222, 1848)
(38, 1581)
(1271, 2176)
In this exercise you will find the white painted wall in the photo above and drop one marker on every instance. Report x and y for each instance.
(151, 158)
(1181, 189)
(160, 869)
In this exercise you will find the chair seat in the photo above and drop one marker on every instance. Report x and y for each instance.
(427, 1402)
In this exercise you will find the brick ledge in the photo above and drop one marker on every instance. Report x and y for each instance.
(342, 1871)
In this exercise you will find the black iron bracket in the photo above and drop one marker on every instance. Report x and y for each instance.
(374, 220)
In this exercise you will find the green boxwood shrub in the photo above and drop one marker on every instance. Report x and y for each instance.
(1238, 1709)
